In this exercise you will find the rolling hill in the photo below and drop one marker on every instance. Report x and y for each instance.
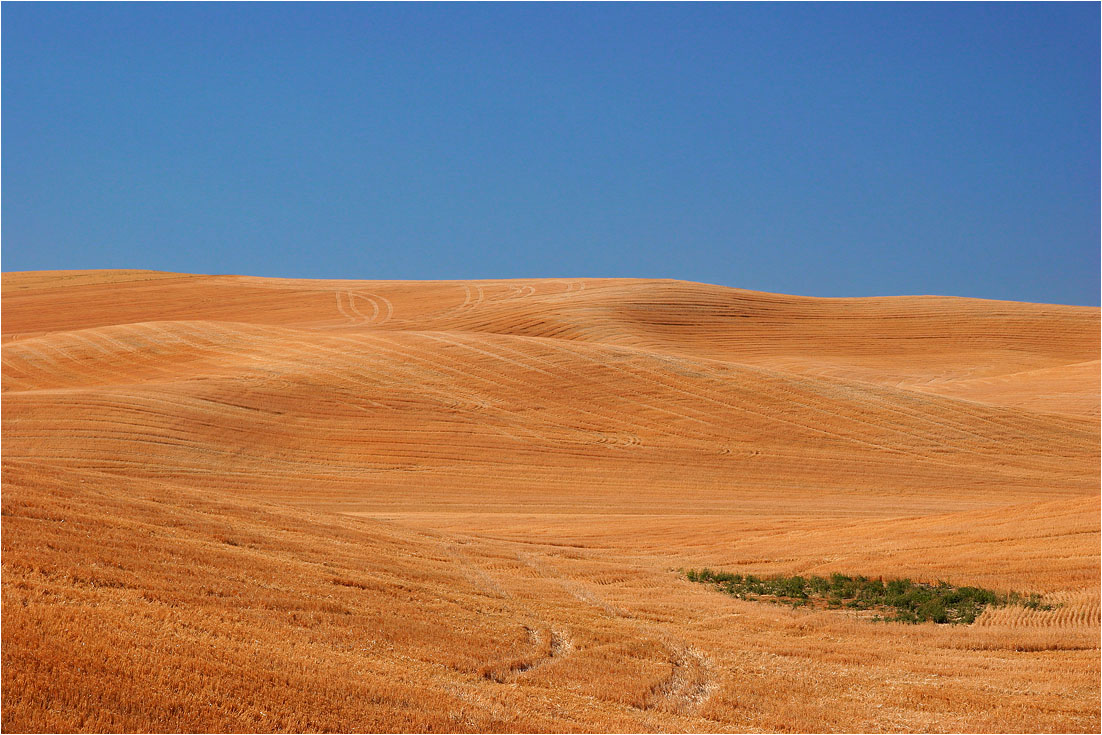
(236, 503)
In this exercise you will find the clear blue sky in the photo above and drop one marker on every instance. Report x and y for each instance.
(827, 150)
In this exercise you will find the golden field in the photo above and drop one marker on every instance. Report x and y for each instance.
(249, 504)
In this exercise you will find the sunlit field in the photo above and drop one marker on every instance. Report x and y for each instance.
(244, 504)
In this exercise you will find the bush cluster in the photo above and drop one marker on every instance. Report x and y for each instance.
(907, 600)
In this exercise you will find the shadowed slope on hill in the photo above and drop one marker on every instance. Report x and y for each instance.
(915, 340)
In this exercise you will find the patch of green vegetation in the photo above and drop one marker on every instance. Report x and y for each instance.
(904, 600)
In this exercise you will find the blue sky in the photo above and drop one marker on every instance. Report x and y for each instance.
(826, 150)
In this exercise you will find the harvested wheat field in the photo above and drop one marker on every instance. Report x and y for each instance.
(244, 504)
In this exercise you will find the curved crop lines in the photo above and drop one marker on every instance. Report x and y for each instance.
(378, 301)
(691, 679)
(349, 309)
(352, 296)
(473, 297)
(515, 292)
(577, 590)
(341, 308)
(572, 286)
(476, 302)
(466, 299)
(551, 640)
(618, 440)
(688, 686)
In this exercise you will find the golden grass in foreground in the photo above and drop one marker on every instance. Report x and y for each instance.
(249, 504)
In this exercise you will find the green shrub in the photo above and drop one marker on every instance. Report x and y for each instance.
(907, 600)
